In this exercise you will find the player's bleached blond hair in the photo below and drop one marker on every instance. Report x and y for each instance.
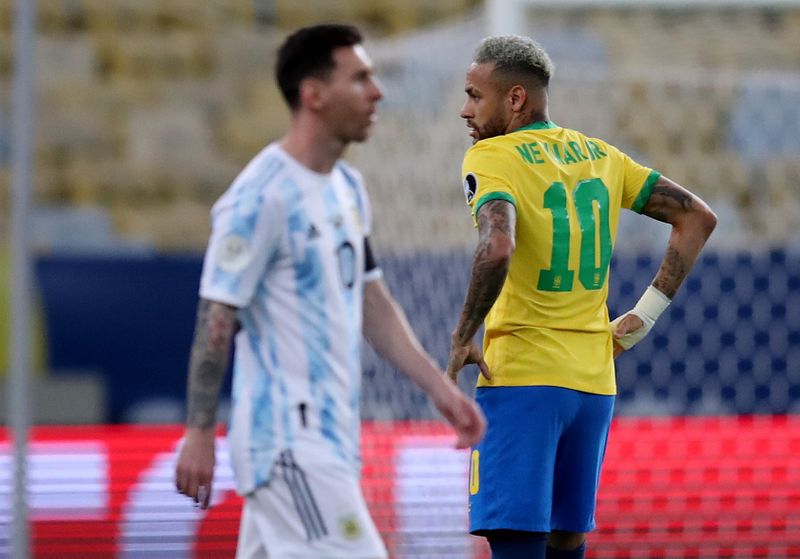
(515, 56)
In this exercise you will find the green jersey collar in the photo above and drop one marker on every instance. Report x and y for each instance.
(538, 125)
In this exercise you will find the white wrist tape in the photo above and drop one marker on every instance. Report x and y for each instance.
(649, 307)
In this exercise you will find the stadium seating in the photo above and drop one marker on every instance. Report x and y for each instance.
(680, 88)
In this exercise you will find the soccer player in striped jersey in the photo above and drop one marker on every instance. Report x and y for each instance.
(290, 274)
(546, 201)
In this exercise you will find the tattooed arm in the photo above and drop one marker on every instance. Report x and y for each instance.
(692, 223)
(497, 231)
(216, 324)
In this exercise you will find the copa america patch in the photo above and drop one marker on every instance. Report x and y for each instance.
(470, 186)
(233, 253)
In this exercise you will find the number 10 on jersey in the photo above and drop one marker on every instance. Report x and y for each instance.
(595, 231)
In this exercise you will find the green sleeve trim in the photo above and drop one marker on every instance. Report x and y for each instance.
(539, 125)
(494, 196)
(645, 192)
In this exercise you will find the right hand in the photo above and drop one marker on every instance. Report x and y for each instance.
(465, 354)
(194, 471)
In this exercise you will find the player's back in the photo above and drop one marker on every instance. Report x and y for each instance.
(550, 325)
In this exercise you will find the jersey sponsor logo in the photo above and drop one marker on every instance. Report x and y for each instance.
(470, 186)
(233, 253)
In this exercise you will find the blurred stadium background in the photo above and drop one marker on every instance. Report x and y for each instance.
(146, 111)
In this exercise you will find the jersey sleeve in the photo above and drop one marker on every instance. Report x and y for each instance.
(371, 269)
(638, 182)
(245, 236)
(483, 176)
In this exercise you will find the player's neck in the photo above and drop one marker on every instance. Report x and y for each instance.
(534, 110)
(312, 146)
(521, 120)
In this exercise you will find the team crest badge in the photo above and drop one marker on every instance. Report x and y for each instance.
(350, 527)
(470, 186)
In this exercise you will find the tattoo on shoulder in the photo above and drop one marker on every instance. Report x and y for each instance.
(666, 200)
(679, 195)
(497, 215)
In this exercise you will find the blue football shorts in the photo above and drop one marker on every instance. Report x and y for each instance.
(538, 467)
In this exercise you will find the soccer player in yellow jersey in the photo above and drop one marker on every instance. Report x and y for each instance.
(546, 201)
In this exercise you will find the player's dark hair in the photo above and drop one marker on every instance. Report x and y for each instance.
(308, 52)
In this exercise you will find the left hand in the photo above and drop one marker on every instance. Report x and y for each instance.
(465, 354)
(624, 325)
(460, 412)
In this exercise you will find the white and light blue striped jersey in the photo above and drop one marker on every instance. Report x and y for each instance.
(287, 249)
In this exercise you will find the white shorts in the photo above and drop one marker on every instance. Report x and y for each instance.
(309, 510)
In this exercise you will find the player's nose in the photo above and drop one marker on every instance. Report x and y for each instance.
(466, 111)
(376, 91)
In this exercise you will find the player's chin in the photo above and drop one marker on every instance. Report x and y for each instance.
(474, 135)
(361, 135)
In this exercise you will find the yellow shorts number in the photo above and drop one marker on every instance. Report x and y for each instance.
(474, 477)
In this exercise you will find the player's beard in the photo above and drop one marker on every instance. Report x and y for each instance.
(495, 126)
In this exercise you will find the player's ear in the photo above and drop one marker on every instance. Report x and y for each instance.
(312, 93)
(517, 96)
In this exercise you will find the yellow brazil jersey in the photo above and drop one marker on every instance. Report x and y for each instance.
(550, 325)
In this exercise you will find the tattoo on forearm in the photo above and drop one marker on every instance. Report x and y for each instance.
(208, 361)
(484, 288)
(487, 276)
(672, 272)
